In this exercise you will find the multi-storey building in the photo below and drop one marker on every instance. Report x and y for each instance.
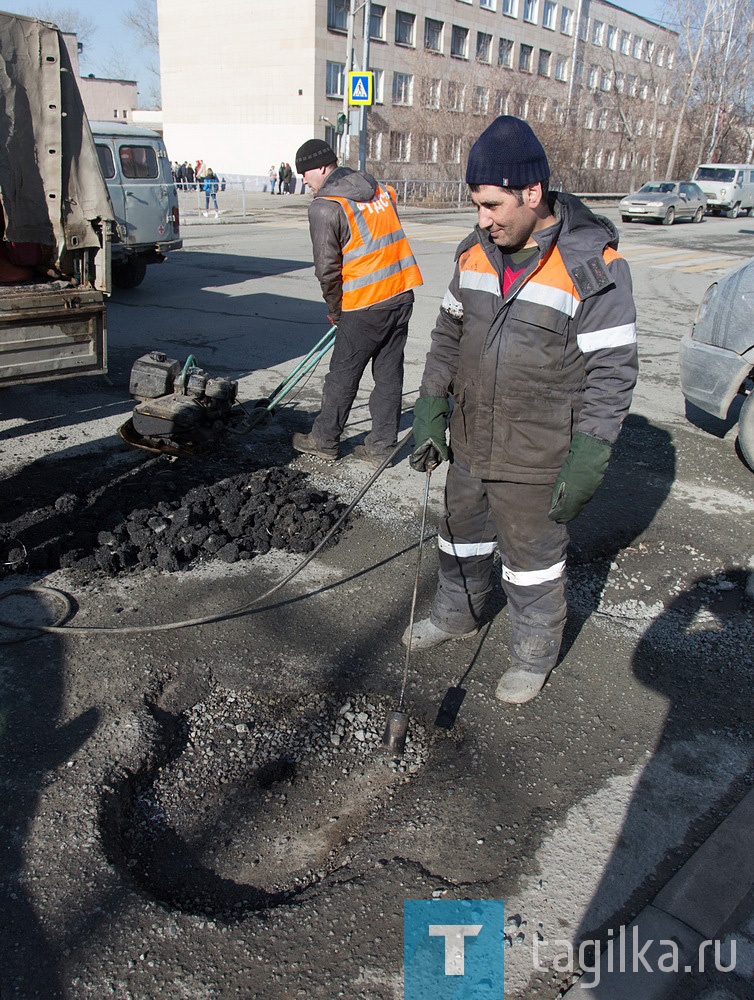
(592, 78)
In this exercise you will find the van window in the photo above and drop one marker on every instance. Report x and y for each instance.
(106, 162)
(138, 161)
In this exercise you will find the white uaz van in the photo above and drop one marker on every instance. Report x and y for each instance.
(729, 187)
(139, 178)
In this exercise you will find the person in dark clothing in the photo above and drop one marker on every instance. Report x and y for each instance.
(367, 273)
(536, 343)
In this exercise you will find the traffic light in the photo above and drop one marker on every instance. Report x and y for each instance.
(341, 126)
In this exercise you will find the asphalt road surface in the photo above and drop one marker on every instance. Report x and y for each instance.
(203, 813)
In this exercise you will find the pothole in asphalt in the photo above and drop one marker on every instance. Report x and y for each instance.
(256, 799)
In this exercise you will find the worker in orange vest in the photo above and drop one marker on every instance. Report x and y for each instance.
(367, 272)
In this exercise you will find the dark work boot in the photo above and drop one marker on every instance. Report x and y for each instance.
(307, 446)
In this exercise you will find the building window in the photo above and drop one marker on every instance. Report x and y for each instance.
(336, 79)
(637, 47)
(561, 68)
(649, 49)
(433, 34)
(589, 118)
(459, 42)
(505, 53)
(631, 81)
(487, 4)
(585, 157)
(524, 58)
(404, 29)
(428, 147)
(480, 101)
(598, 30)
(452, 149)
(400, 147)
(374, 145)
(430, 93)
(566, 21)
(543, 63)
(660, 129)
(379, 85)
(610, 161)
(530, 11)
(598, 159)
(623, 161)
(602, 119)
(640, 127)
(612, 37)
(377, 22)
(403, 85)
(620, 81)
(661, 56)
(519, 105)
(115, 112)
(592, 77)
(625, 42)
(548, 15)
(455, 95)
(337, 15)
(501, 102)
(483, 47)
(510, 8)
(605, 82)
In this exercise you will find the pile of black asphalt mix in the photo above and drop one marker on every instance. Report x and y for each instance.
(172, 514)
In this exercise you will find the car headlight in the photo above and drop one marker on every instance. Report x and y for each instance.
(704, 305)
(723, 192)
(655, 204)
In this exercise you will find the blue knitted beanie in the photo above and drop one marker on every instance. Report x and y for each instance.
(507, 154)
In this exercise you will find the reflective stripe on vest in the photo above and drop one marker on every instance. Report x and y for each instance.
(377, 260)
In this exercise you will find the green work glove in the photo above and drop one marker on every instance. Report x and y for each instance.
(582, 472)
(430, 421)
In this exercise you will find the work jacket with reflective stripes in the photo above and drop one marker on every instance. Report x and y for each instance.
(556, 355)
(361, 255)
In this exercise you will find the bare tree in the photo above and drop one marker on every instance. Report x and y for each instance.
(68, 19)
(141, 21)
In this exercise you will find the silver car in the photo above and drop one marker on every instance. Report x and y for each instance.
(665, 201)
(717, 357)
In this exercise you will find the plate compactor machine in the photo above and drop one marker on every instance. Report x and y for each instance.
(183, 410)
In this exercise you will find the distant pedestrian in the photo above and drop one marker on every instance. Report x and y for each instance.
(281, 177)
(222, 184)
(210, 186)
(190, 177)
(273, 177)
(288, 179)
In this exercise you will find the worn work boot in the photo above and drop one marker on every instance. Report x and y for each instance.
(426, 635)
(374, 458)
(519, 685)
(305, 444)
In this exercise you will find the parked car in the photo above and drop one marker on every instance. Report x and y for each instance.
(665, 201)
(717, 357)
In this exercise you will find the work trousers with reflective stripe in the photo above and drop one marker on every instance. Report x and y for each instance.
(364, 335)
(481, 516)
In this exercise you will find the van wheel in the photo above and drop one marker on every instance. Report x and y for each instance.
(669, 217)
(698, 214)
(128, 273)
(746, 430)
(732, 213)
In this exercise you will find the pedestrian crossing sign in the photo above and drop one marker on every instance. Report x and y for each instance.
(360, 88)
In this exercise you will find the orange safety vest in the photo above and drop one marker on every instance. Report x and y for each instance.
(378, 262)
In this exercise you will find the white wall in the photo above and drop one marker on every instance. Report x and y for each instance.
(227, 98)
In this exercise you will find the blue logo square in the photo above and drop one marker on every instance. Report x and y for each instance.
(453, 949)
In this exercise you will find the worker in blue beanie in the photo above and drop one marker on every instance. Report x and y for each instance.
(535, 343)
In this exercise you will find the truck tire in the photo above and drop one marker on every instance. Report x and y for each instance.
(128, 273)
(746, 430)
(732, 213)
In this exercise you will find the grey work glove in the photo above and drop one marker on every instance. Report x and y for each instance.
(581, 474)
(430, 422)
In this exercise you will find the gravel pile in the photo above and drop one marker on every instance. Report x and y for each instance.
(171, 522)
(261, 798)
